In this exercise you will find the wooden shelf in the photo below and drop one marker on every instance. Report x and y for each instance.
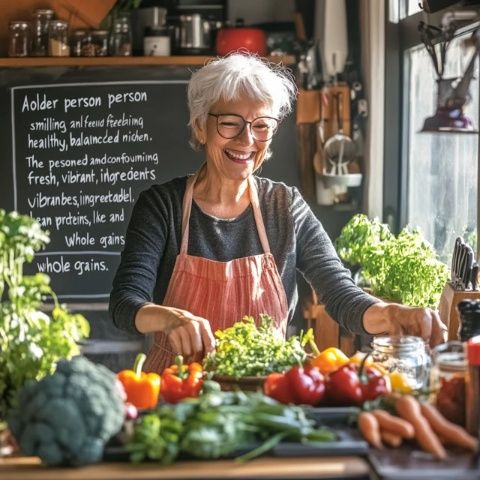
(29, 62)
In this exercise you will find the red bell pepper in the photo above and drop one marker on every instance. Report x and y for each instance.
(181, 381)
(141, 388)
(353, 384)
(299, 385)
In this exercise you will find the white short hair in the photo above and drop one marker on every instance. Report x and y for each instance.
(236, 75)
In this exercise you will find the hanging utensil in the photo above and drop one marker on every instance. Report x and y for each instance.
(318, 158)
(339, 149)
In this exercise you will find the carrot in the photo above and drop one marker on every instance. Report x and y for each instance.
(451, 434)
(409, 409)
(395, 425)
(368, 426)
(391, 439)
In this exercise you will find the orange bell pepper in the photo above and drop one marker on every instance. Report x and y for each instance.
(142, 388)
(181, 381)
(329, 360)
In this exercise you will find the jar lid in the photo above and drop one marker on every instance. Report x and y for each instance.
(58, 23)
(473, 350)
(44, 12)
(451, 361)
(100, 32)
(398, 342)
(19, 23)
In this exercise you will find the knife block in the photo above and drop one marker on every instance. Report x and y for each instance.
(447, 307)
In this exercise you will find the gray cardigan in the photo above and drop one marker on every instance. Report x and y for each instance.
(297, 241)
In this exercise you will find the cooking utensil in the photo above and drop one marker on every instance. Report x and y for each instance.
(318, 159)
(454, 264)
(339, 149)
(467, 268)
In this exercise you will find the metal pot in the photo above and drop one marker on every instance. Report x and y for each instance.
(194, 34)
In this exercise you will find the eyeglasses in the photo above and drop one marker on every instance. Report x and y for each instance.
(230, 125)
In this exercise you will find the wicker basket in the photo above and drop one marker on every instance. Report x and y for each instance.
(249, 384)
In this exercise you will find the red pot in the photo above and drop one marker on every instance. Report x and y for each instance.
(232, 39)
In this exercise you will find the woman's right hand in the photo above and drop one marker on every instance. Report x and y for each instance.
(189, 335)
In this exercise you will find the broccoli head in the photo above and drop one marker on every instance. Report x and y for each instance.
(66, 418)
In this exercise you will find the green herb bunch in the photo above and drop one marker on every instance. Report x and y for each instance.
(247, 350)
(403, 268)
(31, 340)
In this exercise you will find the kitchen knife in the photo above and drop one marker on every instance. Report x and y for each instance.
(467, 268)
(461, 263)
(474, 276)
(454, 266)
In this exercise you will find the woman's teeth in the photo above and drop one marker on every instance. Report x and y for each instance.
(239, 156)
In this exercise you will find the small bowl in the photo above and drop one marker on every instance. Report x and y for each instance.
(249, 384)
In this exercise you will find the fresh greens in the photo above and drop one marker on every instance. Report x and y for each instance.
(31, 339)
(403, 269)
(217, 424)
(247, 350)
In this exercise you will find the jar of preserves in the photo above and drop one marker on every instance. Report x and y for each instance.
(58, 39)
(41, 22)
(406, 355)
(100, 42)
(447, 380)
(18, 38)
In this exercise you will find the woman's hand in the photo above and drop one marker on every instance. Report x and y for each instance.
(189, 335)
(395, 319)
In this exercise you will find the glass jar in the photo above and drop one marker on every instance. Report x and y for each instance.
(406, 355)
(58, 39)
(447, 380)
(41, 22)
(77, 39)
(121, 37)
(18, 38)
(156, 41)
(100, 42)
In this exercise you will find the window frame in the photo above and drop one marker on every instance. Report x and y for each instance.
(399, 38)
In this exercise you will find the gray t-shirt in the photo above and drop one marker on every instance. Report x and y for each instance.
(297, 242)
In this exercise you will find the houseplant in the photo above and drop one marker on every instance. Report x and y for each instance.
(32, 337)
(402, 268)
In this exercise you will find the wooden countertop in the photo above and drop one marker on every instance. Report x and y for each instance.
(29, 468)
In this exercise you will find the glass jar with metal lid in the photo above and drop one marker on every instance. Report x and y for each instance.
(403, 354)
(18, 38)
(100, 42)
(41, 22)
(58, 39)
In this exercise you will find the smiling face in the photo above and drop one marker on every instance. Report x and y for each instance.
(238, 157)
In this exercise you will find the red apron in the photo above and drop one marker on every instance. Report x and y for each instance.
(221, 292)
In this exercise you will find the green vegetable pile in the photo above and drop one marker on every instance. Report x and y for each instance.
(66, 418)
(31, 339)
(403, 268)
(217, 424)
(247, 350)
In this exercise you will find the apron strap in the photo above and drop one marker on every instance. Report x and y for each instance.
(187, 208)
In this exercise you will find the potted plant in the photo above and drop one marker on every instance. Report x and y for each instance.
(32, 337)
(403, 268)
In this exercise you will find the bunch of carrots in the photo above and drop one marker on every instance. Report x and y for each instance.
(415, 420)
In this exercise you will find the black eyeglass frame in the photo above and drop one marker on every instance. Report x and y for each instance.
(245, 122)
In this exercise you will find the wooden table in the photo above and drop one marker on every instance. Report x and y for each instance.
(29, 468)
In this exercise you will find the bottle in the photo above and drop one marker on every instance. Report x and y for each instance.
(121, 37)
(18, 38)
(41, 22)
(473, 387)
(469, 315)
(404, 354)
(58, 39)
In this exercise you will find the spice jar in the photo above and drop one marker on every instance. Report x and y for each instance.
(58, 39)
(18, 38)
(77, 39)
(473, 387)
(121, 37)
(41, 22)
(403, 354)
(469, 314)
(447, 380)
(100, 42)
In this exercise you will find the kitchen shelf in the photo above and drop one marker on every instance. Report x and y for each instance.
(29, 62)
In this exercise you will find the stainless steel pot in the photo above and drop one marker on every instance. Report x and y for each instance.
(194, 33)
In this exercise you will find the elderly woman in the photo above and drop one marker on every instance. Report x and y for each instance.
(203, 251)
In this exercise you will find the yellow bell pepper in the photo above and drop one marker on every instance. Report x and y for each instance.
(399, 382)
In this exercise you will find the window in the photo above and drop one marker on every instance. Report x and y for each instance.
(442, 167)
(431, 179)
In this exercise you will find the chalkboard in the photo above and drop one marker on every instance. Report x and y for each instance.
(77, 148)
